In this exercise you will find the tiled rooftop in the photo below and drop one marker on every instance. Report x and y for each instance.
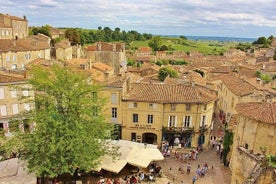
(168, 93)
(264, 112)
(6, 78)
(238, 86)
(22, 45)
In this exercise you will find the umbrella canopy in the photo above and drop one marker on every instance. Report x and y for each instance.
(136, 154)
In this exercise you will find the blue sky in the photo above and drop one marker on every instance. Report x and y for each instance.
(234, 18)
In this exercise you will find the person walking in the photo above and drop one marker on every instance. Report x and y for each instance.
(189, 168)
(194, 178)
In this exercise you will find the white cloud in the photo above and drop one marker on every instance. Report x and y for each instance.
(162, 15)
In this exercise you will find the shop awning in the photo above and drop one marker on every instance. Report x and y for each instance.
(136, 154)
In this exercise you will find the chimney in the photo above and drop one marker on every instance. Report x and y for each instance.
(106, 75)
(193, 83)
(24, 17)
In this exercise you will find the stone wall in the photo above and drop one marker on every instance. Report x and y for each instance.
(250, 168)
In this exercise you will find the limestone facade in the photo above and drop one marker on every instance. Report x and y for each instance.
(12, 27)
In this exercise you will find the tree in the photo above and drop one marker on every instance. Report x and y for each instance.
(166, 71)
(42, 30)
(155, 43)
(260, 40)
(183, 37)
(70, 130)
(73, 35)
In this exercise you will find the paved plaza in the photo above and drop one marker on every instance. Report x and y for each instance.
(217, 173)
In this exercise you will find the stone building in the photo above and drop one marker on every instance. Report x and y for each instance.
(156, 112)
(15, 54)
(12, 27)
(233, 90)
(112, 54)
(63, 50)
(254, 136)
(15, 98)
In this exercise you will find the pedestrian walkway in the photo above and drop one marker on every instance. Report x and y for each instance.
(216, 173)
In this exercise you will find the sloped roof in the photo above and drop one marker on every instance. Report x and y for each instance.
(260, 111)
(22, 45)
(238, 86)
(165, 93)
(64, 44)
(102, 67)
(6, 78)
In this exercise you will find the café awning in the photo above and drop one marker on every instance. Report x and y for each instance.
(133, 153)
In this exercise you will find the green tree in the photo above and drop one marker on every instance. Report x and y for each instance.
(227, 143)
(42, 30)
(165, 72)
(260, 40)
(183, 37)
(70, 131)
(155, 43)
(73, 35)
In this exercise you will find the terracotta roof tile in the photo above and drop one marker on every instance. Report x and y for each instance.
(238, 86)
(260, 111)
(144, 49)
(168, 93)
(102, 67)
(22, 45)
(64, 44)
(221, 69)
(6, 78)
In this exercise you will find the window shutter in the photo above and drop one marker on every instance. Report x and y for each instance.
(2, 93)
(15, 108)
(3, 110)
(175, 125)
(130, 105)
(191, 121)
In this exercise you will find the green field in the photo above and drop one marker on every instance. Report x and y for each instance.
(177, 44)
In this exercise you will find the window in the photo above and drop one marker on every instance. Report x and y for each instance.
(13, 93)
(15, 109)
(133, 136)
(152, 106)
(150, 119)
(2, 93)
(7, 58)
(205, 107)
(27, 107)
(172, 121)
(25, 91)
(173, 106)
(203, 119)
(135, 118)
(3, 33)
(7, 33)
(188, 107)
(27, 56)
(114, 112)
(3, 110)
(14, 57)
(132, 105)
(187, 121)
(114, 98)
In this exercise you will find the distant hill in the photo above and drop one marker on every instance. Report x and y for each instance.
(216, 38)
